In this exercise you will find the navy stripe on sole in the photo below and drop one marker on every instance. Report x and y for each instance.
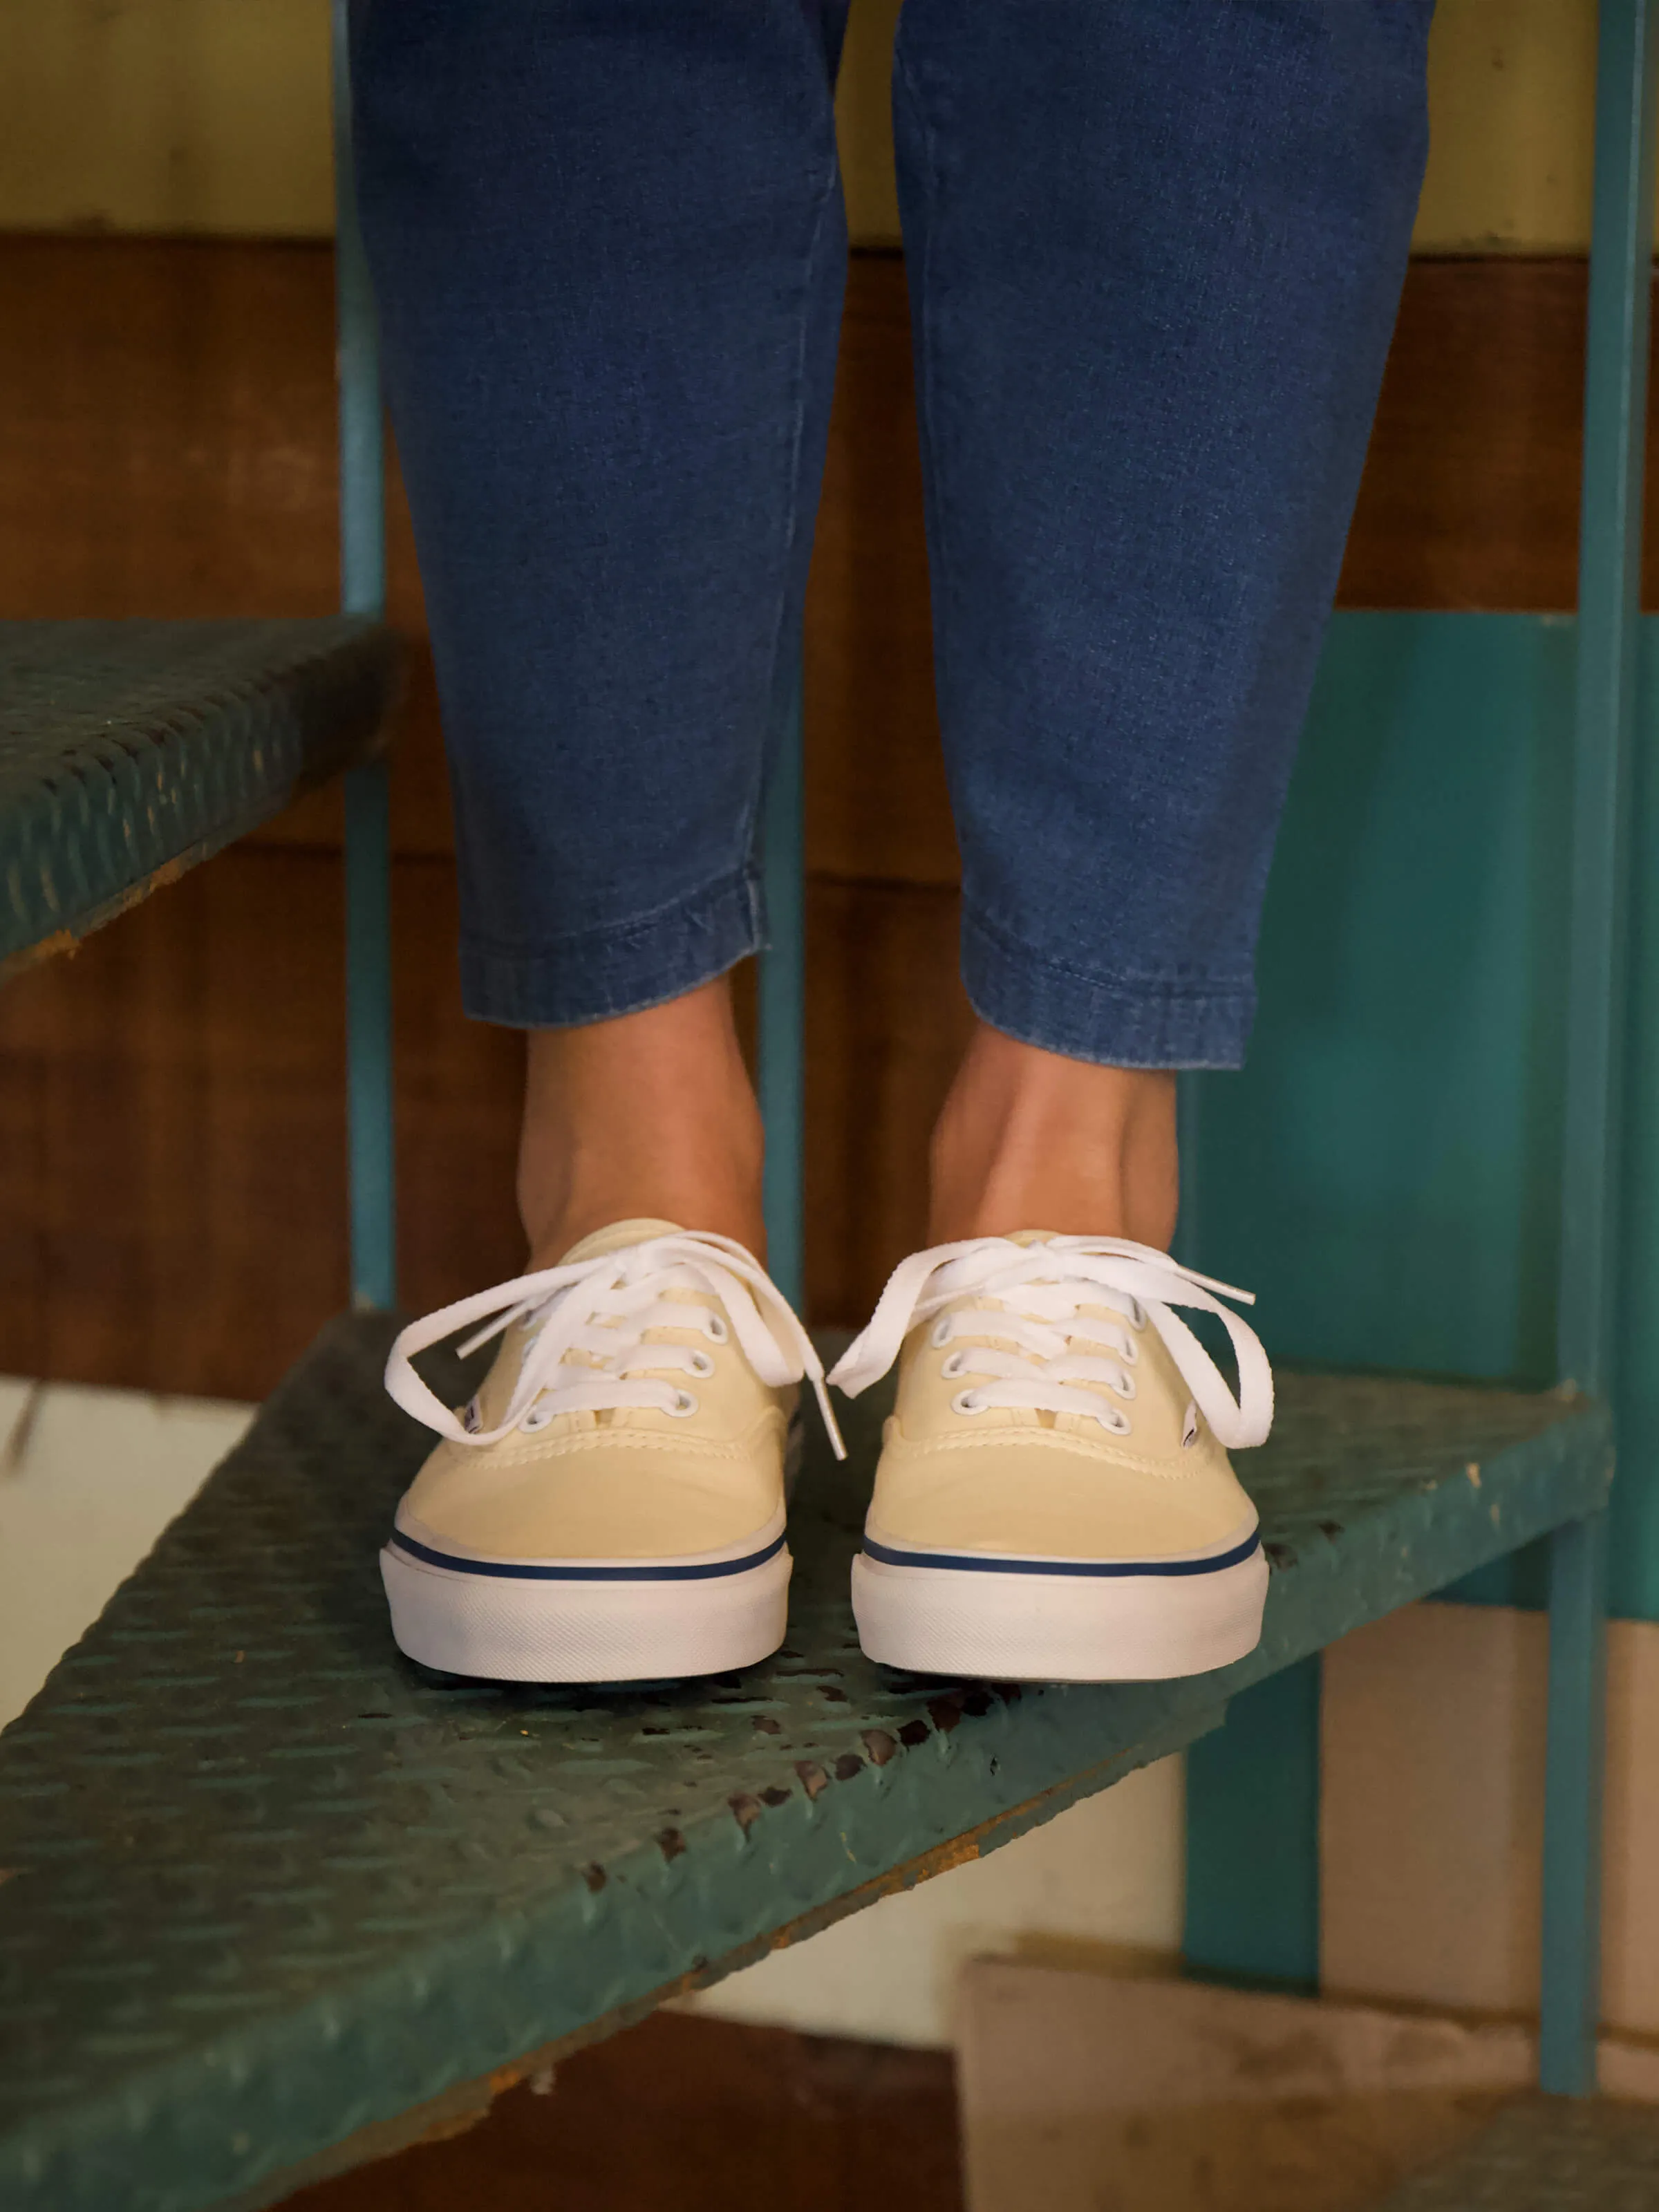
(535, 1571)
(980, 1564)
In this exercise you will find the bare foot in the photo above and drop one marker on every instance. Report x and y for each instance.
(650, 1115)
(1029, 1139)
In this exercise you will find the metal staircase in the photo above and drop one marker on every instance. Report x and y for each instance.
(272, 1902)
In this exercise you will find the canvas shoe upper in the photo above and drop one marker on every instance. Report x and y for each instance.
(1053, 1498)
(610, 1504)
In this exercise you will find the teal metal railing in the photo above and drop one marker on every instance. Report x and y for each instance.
(1604, 749)
(370, 1132)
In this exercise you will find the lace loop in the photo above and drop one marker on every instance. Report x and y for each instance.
(1036, 1291)
(600, 1310)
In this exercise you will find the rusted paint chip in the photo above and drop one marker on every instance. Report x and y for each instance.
(847, 1765)
(775, 1794)
(767, 1725)
(913, 1733)
(946, 1712)
(595, 1877)
(671, 1842)
(814, 1780)
(880, 1746)
(745, 1810)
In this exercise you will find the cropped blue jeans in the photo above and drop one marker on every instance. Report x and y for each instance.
(1154, 249)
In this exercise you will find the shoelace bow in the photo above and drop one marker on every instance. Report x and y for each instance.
(1040, 1290)
(601, 1309)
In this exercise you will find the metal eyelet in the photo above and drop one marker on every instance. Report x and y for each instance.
(683, 1407)
(701, 1365)
(1125, 1387)
(967, 1401)
(715, 1330)
(950, 1366)
(1119, 1424)
(537, 1417)
(939, 1334)
(1137, 1313)
(1130, 1353)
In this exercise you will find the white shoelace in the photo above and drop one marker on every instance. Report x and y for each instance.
(601, 1310)
(1057, 1349)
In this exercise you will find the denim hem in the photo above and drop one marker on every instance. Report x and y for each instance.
(1116, 1021)
(594, 974)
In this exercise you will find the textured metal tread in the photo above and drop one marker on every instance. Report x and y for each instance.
(270, 1887)
(1548, 2154)
(128, 750)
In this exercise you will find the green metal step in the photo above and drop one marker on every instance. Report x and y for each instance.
(1548, 2154)
(273, 1897)
(130, 750)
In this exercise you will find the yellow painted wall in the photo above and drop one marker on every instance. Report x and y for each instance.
(212, 115)
(165, 115)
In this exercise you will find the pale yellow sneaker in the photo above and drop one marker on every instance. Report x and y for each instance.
(1054, 1501)
(610, 1506)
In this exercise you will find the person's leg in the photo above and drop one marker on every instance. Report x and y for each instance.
(1155, 255)
(650, 1116)
(608, 247)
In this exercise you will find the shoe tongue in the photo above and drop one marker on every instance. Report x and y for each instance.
(613, 1238)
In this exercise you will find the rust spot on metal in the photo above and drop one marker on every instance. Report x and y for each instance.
(977, 1704)
(946, 1712)
(913, 1733)
(595, 1876)
(880, 1746)
(776, 1795)
(813, 1778)
(671, 1842)
(835, 1696)
(767, 1725)
(847, 1765)
(745, 1810)
(1282, 1555)
(1331, 1529)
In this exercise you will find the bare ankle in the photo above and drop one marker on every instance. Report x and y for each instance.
(649, 1117)
(1030, 1139)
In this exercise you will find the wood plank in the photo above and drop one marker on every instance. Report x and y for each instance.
(173, 1130)
(1470, 496)
(692, 2115)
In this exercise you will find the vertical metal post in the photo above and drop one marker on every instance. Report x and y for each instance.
(367, 845)
(1609, 577)
(783, 1004)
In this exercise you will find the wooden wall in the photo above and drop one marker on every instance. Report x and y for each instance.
(172, 1184)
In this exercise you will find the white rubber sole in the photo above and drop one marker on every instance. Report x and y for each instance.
(1059, 1627)
(537, 1622)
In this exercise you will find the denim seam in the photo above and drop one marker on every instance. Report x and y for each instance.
(808, 262)
(513, 986)
(741, 879)
(1120, 980)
